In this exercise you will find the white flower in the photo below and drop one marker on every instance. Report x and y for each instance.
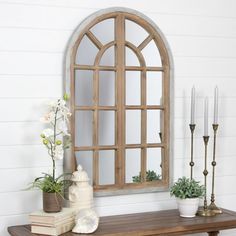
(64, 112)
(62, 127)
(48, 132)
(58, 152)
(52, 104)
(47, 118)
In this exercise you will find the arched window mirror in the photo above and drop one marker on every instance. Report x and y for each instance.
(118, 76)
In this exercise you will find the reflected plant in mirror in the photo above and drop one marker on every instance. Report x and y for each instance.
(151, 175)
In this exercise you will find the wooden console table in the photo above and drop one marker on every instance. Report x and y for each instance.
(152, 223)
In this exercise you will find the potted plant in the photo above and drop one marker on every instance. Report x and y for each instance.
(187, 192)
(55, 138)
(151, 175)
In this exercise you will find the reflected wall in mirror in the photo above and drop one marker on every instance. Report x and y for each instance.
(119, 86)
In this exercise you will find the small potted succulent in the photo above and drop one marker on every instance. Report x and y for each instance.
(187, 192)
(55, 138)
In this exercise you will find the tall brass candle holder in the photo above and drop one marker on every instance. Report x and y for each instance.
(191, 163)
(213, 206)
(205, 211)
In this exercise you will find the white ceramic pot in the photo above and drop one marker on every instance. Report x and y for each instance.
(188, 207)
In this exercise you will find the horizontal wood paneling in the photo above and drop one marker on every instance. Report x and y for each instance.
(23, 108)
(203, 47)
(129, 199)
(52, 41)
(222, 81)
(68, 18)
(203, 26)
(20, 133)
(182, 105)
(25, 176)
(225, 167)
(226, 127)
(171, 7)
(24, 156)
(18, 63)
(137, 207)
(13, 15)
(18, 86)
(204, 67)
(22, 202)
(226, 147)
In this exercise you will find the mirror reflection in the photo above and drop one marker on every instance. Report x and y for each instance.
(132, 164)
(88, 48)
(133, 88)
(83, 88)
(106, 167)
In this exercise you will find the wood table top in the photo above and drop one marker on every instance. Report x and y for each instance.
(166, 222)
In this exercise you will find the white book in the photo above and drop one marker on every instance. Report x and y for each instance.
(51, 218)
(54, 231)
(59, 222)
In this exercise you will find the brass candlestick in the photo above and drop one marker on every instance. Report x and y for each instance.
(191, 163)
(213, 206)
(205, 211)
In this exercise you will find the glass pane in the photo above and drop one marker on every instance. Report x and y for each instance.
(85, 159)
(154, 88)
(108, 58)
(106, 88)
(104, 31)
(154, 119)
(154, 170)
(106, 128)
(134, 33)
(133, 87)
(86, 52)
(133, 126)
(83, 128)
(83, 88)
(130, 58)
(151, 55)
(132, 165)
(106, 167)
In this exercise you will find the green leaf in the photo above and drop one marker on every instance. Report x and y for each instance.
(150, 176)
(187, 188)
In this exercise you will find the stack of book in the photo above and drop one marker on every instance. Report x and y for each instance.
(52, 223)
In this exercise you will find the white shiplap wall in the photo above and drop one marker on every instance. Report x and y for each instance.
(33, 37)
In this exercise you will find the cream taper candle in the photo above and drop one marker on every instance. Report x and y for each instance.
(206, 117)
(216, 106)
(192, 121)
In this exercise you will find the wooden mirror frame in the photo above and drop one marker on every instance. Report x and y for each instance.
(120, 14)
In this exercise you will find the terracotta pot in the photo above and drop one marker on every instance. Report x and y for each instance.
(52, 202)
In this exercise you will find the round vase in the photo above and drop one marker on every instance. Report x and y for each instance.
(52, 202)
(188, 207)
